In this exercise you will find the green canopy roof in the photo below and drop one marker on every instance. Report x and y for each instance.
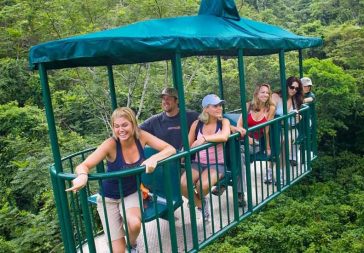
(217, 30)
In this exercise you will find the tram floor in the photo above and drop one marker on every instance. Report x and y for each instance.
(221, 215)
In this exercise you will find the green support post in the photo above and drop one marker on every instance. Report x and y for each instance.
(168, 189)
(314, 127)
(308, 146)
(174, 74)
(87, 221)
(245, 125)
(300, 62)
(277, 148)
(235, 174)
(114, 103)
(282, 71)
(58, 185)
(59, 210)
(177, 72)
(219, 75)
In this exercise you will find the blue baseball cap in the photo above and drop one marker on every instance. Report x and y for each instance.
(211, 99)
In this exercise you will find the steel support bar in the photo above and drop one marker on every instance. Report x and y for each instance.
(114, 103)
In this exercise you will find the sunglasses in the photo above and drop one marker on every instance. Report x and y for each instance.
(294, 88)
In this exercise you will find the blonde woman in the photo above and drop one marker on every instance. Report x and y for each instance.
(210, 127)
(260, 110)
(122, 151)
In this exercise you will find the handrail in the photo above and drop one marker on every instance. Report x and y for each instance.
(131, 171)
(280, 118)
(258, 195)
(78, 153)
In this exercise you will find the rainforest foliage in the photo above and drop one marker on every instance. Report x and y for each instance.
(323, 213)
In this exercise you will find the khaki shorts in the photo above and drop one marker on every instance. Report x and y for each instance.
(114, 212)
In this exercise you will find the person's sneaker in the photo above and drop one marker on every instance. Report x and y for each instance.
(282, 181)
(268, 178)
(218, 190)
(205, 209)
(293, 162)
(241, 200)
(133, 249)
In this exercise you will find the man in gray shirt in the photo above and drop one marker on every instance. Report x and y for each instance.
(166, 125)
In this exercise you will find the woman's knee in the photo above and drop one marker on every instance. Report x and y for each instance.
(134, 218)
(134, 223)
(183, 181)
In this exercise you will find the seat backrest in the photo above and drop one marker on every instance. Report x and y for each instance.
(232, 117)
(155, 181)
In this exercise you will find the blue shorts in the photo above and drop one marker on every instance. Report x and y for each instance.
(202, 167)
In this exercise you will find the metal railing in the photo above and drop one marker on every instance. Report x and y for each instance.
(170, 222)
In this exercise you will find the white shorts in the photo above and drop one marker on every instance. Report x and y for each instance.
(114, 212)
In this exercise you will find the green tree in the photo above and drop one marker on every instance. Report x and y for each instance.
(344, 44)
(331, 84)
(17, 84)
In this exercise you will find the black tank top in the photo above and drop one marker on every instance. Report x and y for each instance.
(129, 184)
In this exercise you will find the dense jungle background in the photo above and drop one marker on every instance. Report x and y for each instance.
(324, 213)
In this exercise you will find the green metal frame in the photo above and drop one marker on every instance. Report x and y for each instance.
(65, 205)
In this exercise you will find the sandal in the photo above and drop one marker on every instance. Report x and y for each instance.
(241, 200)
(218, 190)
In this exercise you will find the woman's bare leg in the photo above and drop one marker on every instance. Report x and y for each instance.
(133, 216)
(184, 189)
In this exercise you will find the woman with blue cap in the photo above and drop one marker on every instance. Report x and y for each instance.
(208, 165)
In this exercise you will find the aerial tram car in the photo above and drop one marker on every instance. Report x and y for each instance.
(168, 223)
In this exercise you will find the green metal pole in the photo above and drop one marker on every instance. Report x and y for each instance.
(314, 127)
(87, 221)
(307, 115)
(64, 219)
(177, 72)
(219, 75)
(112, 88)
(169, 190)
(50, 118)
(245, 125)
(174, 74)
(276, 150)
(59, 210)
(300, 61)
(282, 70)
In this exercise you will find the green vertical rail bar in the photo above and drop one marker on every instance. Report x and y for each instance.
(234, 173)
(168, 189)
(276, 149)
(307, 143)
(64, 219)
(219, 76)
(313, 117)
(59, 209)
(174, 74)
(87, 221)
(300, 62)
(110, 73)
(282, 71)
(245, 125)
(177, 72)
